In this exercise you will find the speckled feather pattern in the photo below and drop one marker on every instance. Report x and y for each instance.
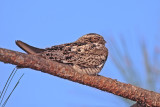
(87, 55)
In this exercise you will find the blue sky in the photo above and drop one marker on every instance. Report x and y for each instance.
(50, 22)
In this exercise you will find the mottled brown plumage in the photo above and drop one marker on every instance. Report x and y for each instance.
(87, 55)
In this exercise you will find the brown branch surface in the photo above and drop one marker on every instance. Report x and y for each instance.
(142, 96)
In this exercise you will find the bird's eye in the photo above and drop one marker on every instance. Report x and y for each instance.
(95, 39)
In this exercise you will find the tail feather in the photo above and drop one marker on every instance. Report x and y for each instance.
(27, 48)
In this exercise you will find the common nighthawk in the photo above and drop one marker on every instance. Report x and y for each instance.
(87, 55)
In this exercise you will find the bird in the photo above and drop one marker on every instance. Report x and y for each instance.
(87, 55)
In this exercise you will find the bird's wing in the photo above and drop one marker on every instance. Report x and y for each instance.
(83, 55)
(27, 48)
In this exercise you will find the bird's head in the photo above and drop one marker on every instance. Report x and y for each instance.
(92, 38)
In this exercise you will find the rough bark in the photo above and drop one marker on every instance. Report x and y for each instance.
(138, 105)
(142, 96)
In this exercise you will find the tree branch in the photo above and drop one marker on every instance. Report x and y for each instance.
(142, 96)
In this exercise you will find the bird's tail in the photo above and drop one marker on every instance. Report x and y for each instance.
(27, 48)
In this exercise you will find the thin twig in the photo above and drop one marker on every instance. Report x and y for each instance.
(6, 83)
(12, 91)
(10, 79)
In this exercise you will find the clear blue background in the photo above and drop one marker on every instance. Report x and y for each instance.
(52, 22)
